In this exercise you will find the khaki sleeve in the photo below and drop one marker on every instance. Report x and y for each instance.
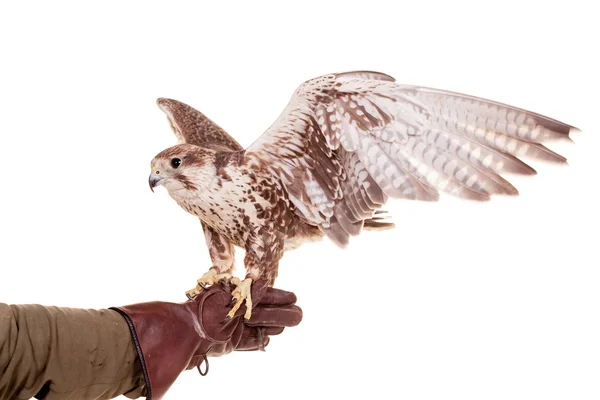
(63, 353)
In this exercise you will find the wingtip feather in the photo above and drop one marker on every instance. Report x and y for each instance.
(370, 75)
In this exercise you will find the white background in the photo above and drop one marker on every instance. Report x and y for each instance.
(469, 301)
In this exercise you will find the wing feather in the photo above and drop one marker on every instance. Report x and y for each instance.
(346, 142)
(192, 127)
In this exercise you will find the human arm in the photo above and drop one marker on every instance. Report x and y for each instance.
(63, 353)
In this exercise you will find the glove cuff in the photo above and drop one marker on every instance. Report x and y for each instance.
(163, 335)
(138, 349)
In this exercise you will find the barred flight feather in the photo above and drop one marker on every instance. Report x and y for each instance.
(364, 138)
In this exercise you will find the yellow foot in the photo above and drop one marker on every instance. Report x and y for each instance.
(193, 292)
(240, 294)
(209, 278)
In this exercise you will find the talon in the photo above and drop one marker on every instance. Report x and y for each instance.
(231, 313)
(240, 294)
(192, 293)
(225, 284)
(211, 277)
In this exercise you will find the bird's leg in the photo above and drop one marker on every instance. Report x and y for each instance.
(222, 255)
(240, 294)
(259, 264)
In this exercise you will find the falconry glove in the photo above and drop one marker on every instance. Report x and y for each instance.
(173, 337)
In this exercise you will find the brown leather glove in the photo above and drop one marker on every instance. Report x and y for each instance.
(172, 337)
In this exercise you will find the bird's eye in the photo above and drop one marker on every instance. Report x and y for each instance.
(175, 163)
(157, 172)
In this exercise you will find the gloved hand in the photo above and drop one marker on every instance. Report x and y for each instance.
(172, 337)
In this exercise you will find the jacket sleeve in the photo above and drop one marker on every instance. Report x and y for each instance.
(64, 353)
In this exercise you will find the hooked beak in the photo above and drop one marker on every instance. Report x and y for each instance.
(154, 181)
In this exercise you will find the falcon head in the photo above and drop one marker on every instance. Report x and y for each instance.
(182, 167)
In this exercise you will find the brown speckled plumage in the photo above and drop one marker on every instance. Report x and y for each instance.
(344, 144)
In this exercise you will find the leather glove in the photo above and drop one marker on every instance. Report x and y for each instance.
(172, 337)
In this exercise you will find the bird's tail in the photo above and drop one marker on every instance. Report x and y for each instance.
(379, 221)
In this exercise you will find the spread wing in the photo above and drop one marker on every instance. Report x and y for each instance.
(347, 141)
(192, 127)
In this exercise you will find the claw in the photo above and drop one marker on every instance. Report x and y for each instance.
(192, 293)
(209, 278)
(240, 294)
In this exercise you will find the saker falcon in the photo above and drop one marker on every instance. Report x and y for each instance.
(343, 145)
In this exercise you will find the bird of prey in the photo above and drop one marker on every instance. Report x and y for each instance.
(343, 145)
